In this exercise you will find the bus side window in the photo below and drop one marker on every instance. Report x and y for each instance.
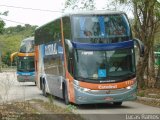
(57, 30)
(67, 28)
(86, 26)
(56, 36)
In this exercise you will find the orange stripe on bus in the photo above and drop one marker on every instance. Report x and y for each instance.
(69, 78)
(36, 65)
(107, 86)
(25, 54)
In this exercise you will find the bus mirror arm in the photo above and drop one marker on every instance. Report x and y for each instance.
(71, 65)
(140, 45)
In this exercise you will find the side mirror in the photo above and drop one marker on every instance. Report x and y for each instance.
(70, 46)
(140, 45)
(69, 50)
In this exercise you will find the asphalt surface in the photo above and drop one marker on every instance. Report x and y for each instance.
(12, 90)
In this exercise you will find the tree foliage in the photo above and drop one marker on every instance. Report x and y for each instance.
(11, 39)
(2, 23)
(146, 25)
(147, 22)
(80, 4)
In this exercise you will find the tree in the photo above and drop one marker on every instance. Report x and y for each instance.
(147, 18)
(145, 26)
(80, 4)
(6, 58)
(2, 23)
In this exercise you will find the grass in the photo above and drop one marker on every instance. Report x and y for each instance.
(36, 110)
(149, 93)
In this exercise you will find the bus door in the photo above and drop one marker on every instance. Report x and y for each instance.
(53, 67)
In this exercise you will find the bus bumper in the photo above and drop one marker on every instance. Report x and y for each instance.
(84, 96)
(26, 78)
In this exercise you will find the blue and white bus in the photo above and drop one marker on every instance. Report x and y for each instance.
(25, 62)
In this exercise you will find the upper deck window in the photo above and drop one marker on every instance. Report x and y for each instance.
(27, 46)
(101, 26)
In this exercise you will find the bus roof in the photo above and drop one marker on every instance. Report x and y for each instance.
(84, 12)
(28, 38)
(92, 12)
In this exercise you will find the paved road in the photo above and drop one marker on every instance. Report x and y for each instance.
(11, 90)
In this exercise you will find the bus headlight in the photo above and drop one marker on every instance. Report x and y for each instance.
(86, 89)
(128, 88)
(81, 89)
(76, 82)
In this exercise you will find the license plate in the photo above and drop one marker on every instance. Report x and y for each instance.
(26, 77)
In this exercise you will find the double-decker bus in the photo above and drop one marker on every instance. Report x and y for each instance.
(87, 57)
(25, 62)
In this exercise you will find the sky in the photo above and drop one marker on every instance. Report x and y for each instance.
(34, 17)
(27, 16)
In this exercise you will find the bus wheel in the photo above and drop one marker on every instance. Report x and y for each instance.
(65, 95)
(35, 83)
(117, 103)
(44, 89)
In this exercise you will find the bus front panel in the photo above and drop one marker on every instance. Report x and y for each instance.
(25, 69)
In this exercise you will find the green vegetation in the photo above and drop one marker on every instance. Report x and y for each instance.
(36, 110)
(11, 38)
(149, 96)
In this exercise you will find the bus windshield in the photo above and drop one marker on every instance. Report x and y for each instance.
(25, 64)
(114, 28)
(104, 65)
(27, 46)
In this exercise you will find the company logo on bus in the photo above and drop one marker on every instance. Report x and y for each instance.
(107, 87)
(51, 49)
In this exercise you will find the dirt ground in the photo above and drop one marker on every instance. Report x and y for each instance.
(35, 110)
(152, 93)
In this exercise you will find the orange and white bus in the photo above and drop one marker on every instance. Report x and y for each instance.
(87, 57)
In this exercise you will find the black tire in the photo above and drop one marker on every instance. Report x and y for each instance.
(35, 83)
(65, 96)
(117, 103)
(44, 88)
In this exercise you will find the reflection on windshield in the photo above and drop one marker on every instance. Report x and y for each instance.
(104, 64)
(27, 46)
(108, 26)
(25, 64)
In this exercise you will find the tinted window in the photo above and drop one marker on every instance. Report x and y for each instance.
(48, 33)
(110, 28)
(25, 64)
(104, 65)
(27, 46)
(67, 28)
